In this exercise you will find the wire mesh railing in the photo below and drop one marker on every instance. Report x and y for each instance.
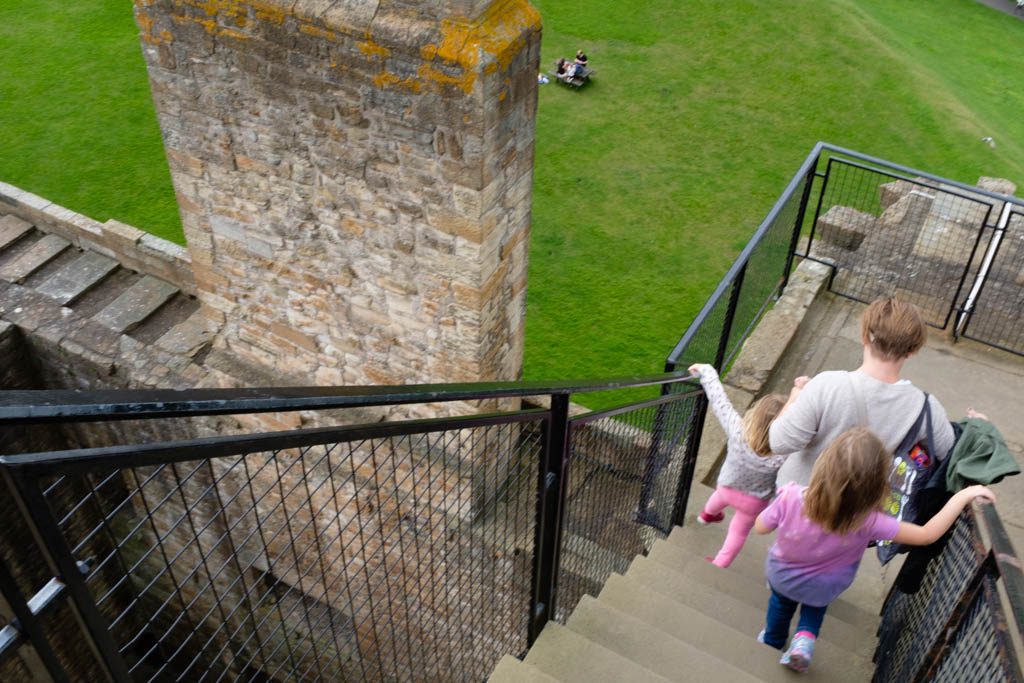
(951, 249)
(958, 625)
(398, 551)
(993, 313)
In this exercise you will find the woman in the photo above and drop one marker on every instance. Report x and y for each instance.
(871, 396)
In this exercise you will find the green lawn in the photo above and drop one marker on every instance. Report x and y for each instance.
(77, 124)
(700, 114)
(648, 181)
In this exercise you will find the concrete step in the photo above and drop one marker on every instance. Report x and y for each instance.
(78, 277)
(691, 545)
(511, 670)
(190, 336)
(720, 603)
(34, 258)
(658, 650)
(854, 627)
(135, 304)
(569, 657)
(712, 636)
(12, 229)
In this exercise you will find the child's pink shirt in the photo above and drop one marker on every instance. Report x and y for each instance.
(809, 564)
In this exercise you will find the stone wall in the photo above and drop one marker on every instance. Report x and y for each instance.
(354, 179)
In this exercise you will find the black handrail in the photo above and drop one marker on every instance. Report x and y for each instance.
(41, 406)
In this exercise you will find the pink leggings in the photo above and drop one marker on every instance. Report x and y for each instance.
(748, 507)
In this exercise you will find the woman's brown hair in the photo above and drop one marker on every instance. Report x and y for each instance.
(758, 419)
(893, 329)
(849, 480)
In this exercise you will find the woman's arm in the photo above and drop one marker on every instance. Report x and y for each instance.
(913, 534)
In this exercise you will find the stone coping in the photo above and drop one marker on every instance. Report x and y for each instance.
(133, 248)
(751, 373)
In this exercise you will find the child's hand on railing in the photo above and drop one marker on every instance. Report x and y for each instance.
(801, 381)
(977, 491)
(697, 369)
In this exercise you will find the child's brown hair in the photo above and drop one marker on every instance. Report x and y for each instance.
(757, 420)
(849, 480)
(893, 329)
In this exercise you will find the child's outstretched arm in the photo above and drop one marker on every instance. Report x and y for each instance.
(717, 399)
(914, 534)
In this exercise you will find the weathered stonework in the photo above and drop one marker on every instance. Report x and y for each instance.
(354, 179)
(918, 246)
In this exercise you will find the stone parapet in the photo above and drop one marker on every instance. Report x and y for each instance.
(124, 243)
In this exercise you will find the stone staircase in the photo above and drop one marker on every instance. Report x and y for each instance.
(672, 616)
(97, 287)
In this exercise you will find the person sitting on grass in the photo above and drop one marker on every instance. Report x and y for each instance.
(823, 531)
(746, 481)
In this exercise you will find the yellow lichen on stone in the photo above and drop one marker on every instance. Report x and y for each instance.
(239, 9)
(495, 37)
(317, 32)
(146, 28)
(464, 82)
(371, 48)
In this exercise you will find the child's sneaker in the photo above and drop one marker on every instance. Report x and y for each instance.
(705, 518)
(798, 656)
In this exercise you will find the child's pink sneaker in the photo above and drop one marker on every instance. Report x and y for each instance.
(801, 649)
(705, 518)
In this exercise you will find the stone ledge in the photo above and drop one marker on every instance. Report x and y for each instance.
(124, 243)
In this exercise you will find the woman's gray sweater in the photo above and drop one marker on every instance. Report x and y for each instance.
(827, 407)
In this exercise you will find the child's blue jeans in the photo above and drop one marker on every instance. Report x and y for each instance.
(780, 614)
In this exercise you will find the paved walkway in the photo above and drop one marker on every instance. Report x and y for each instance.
(961, 375)
(1005, 6)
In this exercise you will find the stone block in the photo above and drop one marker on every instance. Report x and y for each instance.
(997, 185)
(910, 211)
(34, 258)
(12, 229)
(136, 304)
(948, 240)
(844, 227)
(78, 277)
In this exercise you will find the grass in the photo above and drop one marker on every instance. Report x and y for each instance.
(648, 181)
(77, 124)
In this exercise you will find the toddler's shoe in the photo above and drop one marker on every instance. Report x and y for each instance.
(705, 518)
(798, 656)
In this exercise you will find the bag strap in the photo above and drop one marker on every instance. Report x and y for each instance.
(858, 396)
(925, 418)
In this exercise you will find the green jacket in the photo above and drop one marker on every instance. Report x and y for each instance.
(979, 457)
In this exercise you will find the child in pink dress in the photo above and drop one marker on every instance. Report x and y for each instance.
(824, 529)
(746, 481)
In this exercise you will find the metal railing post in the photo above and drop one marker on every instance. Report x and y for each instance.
(552, 479)
(654, 462)
(63, 564)
(700, 410)
(685, 484)
(799, 223)
(730, 315)
(30, 627)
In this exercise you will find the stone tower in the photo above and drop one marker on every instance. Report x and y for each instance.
(354, 179)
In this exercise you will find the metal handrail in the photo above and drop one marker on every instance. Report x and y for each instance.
(41, 406)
